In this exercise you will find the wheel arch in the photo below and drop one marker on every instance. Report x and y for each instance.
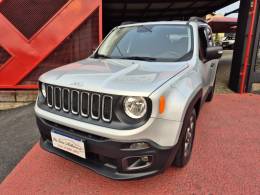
(195, 102)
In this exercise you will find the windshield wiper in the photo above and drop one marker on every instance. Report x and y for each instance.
(184, 56)
(101, 56)
(139, 58)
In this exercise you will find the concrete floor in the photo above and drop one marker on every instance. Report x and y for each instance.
(223, 73)
(225, 160)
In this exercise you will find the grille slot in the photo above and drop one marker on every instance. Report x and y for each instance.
(57, 96)
(83, 104)
(95, 106)
(74, 102)
(50, 96)
(66, 100)
(107, 107)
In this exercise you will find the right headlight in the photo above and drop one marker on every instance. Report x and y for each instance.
(43, 89)
(135, 107)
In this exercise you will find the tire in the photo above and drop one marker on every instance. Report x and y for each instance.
(185, 149)
(211, 93)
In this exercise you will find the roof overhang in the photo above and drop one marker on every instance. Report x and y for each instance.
(223, 24)
(150, 10)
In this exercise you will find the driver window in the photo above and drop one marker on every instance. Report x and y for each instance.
(202, 44)
(210, 38)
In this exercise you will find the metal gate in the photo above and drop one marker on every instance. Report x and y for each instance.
(254, 76)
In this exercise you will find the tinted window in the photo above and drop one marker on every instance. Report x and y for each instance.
(203, 43)
(161, 42)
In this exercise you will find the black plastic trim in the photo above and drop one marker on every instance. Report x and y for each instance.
(100, 148)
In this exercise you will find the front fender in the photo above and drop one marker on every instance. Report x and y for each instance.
(179, 94)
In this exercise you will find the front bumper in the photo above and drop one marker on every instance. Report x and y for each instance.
(163, 132)
(106, 156)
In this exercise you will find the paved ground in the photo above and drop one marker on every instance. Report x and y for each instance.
(17, 135)
(226, 160)
(223, 73)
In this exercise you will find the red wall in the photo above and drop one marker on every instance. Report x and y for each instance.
(39, 35)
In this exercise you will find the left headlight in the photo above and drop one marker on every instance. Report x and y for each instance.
(135, 107)
(43, 89)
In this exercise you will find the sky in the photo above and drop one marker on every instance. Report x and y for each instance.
(228, 9)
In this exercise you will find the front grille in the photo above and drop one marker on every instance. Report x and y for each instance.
(82, 103)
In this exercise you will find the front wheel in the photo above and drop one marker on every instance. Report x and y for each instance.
(184, 152)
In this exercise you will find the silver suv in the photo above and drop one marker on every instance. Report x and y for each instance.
(130, 109)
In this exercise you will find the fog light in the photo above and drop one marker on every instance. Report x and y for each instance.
(139, 146)
(133, 163)
(145, 158)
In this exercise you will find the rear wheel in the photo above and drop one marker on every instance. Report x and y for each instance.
(184, 152)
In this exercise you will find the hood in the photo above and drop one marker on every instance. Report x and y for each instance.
(114, 76)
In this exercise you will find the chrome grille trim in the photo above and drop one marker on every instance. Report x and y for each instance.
(48, 100)
(111, 108)
(63, 107)
(81, 107)
(96, 117)
(55, 103)
(87, 104)
(72, 110)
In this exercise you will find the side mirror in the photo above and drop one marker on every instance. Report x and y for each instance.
(214, 52)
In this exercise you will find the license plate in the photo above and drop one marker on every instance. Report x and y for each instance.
(69, 144)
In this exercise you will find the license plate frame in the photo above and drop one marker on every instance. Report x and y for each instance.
(68, 143)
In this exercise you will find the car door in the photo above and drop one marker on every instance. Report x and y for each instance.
(208, 67)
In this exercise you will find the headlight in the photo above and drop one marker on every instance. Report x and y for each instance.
(135, 107)
(43, 89)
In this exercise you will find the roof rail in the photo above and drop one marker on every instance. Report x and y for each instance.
(197, 19)
(127, 22)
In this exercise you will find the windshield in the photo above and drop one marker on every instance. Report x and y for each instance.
(149, 42)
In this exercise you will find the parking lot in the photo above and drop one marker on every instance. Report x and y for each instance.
(225, 160)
